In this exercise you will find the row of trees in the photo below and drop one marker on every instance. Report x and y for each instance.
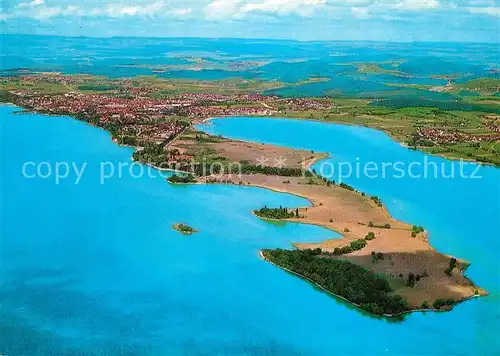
(385, 226)
(355, 245)
(377, 201)
(98, 87)
(276, 213)
(416, 230)
(186, 178)
(219, 166)
(274, 171)
(346, 279)
(207, 138)
(347, 186)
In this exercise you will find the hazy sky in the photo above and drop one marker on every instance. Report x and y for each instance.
(385, 20)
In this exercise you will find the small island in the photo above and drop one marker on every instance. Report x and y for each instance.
(185, 229)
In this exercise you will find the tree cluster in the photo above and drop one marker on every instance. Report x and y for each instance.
(98, 87)
(274, 171)
(276, 213)
(414, 278)
(185, 228)
(439, 303)
(377, 201)
(347, 186)
(376, 256)
(453, 264)
(416, 230)
(385, 226)
(355, 245)
(187, 178)
(346, 279)
(370, 236)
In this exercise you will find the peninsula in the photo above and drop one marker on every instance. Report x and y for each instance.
(376, 248)
(381, 265)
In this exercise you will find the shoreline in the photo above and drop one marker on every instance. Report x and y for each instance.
(295, 220)
(299, 194)
(261, 254)
(399, 234)
(207, 121)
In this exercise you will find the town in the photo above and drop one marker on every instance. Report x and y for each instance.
(140, 111)
(136, 114)
(443, 136)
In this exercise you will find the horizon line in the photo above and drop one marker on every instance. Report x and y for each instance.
(246, 38)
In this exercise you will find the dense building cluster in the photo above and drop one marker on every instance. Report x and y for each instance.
(495, 127)
(298, 104)
(438, 135)
(493, 123)
(202, 112)
(110, 109)
(155, 133)
(224, 98)
(51, 78)
(106, 108)
(141, 107)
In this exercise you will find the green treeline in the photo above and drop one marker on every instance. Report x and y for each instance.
(377, 201)
(98, 87)
(184, 228)
(451, 267)
(276, 213)
(247, 168)
(127, 140)
(439, 303)
(208, 138)
(7, 97)
(274, 171)
(355, 245)
(416, 230)
(347, 186)
(348, 280)
(451, 105)
(155, 154)
(385, 226)
(187, 178)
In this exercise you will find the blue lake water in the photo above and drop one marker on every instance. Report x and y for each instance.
(93, 269)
